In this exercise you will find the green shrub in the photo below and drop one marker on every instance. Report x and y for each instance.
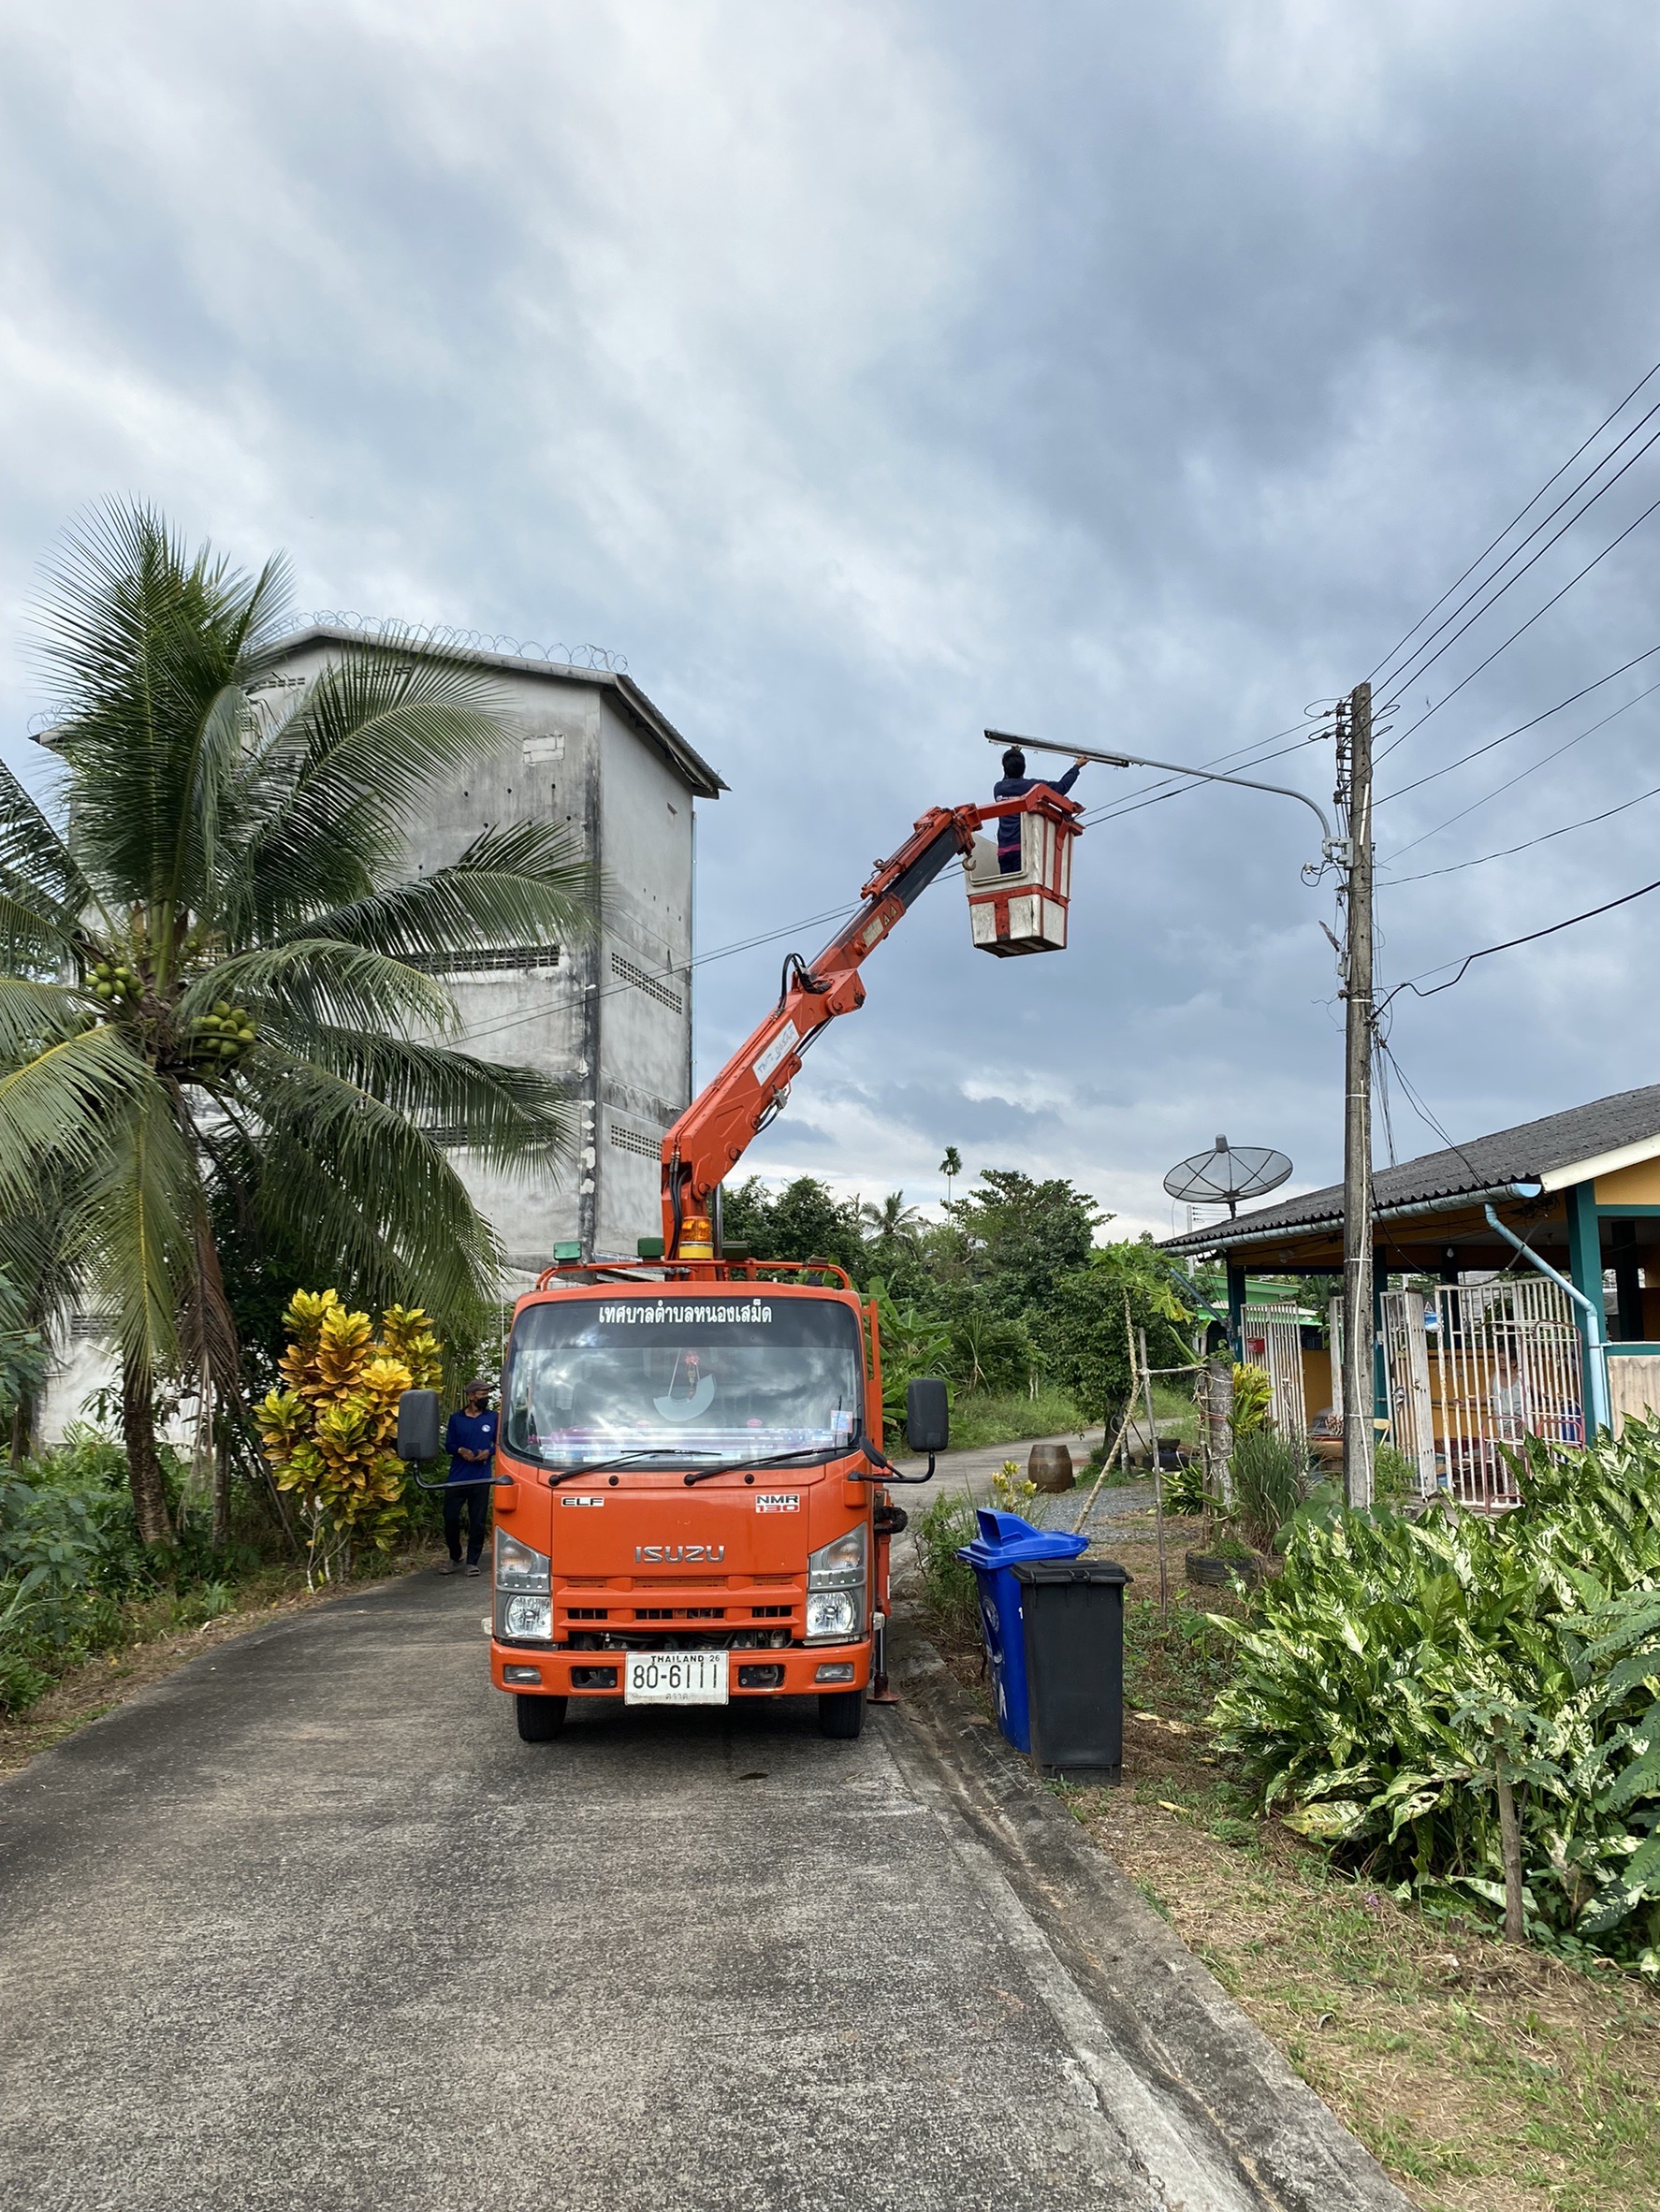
(1269, 1479)
(1381, 1677)
(949, 1590)
(1183, 1489)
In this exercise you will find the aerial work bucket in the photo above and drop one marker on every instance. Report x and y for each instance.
(1025, 910)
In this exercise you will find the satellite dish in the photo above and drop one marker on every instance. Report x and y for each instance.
(1228, 1174)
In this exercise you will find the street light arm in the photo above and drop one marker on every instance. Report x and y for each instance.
(1132, 760)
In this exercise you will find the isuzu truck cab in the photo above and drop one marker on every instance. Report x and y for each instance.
(691, 1502)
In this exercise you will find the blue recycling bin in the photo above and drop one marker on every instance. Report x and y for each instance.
(1003, 1542)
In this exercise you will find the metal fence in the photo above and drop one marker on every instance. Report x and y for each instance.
(1271, 1339)
(1474, 1366)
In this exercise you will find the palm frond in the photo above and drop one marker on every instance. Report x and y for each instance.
(154, 649)
(35, 940)
(128, 1229)
(34, 1014)
(372, 733)
(385, 1190)
(527, 884)
(35, 863)
(310, 983)
(507, 1117)
(57, 1109)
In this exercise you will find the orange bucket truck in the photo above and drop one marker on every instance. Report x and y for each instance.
(692, 1497)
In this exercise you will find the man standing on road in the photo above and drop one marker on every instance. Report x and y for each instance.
(470, 1441)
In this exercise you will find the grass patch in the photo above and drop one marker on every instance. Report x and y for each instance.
(978, 1418)
(1483, 2077)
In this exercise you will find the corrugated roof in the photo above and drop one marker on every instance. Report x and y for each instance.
(630, 701)
(1521, 1155)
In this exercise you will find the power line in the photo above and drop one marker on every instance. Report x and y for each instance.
(611, 990)
(1415, 666)
(1543, 838)
(1524, 626)
(1522, 774)
(1509, 944)
(1520, 729)
(1519, 517)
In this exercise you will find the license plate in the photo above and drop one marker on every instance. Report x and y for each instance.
(674, 1677)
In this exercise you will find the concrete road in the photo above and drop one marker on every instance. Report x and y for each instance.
(307, 1925)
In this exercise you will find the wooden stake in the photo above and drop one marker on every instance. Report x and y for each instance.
(1158, 1483)
(1510, 1848)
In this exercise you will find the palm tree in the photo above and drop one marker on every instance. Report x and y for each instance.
(891, 1224)
(950, 1166)
(214, 977)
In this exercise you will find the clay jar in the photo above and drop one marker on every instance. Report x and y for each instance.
(1050, 1466)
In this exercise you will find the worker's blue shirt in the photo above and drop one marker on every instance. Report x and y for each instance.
(1016, 787)
(472, 1431)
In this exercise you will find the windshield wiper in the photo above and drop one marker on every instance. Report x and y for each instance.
(623, 1460)
(779, 1459)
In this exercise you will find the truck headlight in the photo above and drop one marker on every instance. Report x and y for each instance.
(528, 1620)
(517, 1568)
(835, 1590)
(835, 1616)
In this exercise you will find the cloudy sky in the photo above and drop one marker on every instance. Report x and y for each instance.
(866, 374)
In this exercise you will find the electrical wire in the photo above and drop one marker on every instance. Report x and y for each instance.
(586, 997)
(1520, 730)
(1416, 666)
(1521, 628)
(1509, 944)
(1544, 837)
(1521, 774)
(1509, 526)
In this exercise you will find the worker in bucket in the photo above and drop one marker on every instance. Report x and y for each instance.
(471, 1442)
(1014, 784)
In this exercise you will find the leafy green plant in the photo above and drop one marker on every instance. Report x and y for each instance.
(1184, 1490)
(949, 1590)
(913, 1342)
(1270, 1478)
(1253, 1398)
(1012, 1492)
(1384, 1675)
(214, 976)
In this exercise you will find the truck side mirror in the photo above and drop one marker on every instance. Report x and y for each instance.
(417, 1425)
(927, 1415)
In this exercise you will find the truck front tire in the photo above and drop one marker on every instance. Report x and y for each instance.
(841, 1713)
(540, 1719)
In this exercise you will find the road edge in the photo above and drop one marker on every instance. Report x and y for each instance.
(1167, 2019)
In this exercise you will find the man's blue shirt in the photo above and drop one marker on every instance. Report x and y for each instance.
(475, 1431)
(1016, 787)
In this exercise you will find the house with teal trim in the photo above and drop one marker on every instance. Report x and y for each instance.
(1516, 1290)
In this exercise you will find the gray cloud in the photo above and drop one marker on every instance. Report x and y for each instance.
(869, 373)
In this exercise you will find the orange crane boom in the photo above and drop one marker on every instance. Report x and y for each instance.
(704, 1145)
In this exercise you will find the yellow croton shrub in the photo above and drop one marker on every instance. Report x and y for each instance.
(330, 1431)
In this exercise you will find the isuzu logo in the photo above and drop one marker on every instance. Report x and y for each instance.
(679, 1554)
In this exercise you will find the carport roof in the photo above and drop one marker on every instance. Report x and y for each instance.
(1559, 1150)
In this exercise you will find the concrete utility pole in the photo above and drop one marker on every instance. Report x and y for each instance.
(1354, 795)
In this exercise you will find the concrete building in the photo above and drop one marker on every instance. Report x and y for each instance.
(613, 1016)
(587, 748)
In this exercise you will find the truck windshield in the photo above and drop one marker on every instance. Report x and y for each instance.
(682, 1377)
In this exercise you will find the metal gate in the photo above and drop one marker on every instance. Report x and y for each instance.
(1271, 1337)
(1474, 1366)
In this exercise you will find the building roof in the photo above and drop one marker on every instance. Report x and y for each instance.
(1559, 1150)
(628, 699)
